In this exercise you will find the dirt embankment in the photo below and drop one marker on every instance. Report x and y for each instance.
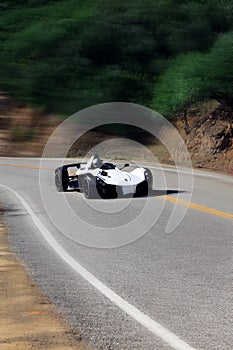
(23, 130)
(208, 134)
(27, 319)
(207, 130)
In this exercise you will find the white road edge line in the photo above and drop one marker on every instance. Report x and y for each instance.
(154, 327)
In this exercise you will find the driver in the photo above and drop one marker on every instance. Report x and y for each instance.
(97, 162)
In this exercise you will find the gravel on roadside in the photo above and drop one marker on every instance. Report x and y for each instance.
(27, 319)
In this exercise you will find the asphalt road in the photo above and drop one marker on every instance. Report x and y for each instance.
(119, 277)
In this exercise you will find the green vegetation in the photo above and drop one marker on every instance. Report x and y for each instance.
(166, 54)
(21, 133)
(196, 77)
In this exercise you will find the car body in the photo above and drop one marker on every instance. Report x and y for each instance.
(97, 178)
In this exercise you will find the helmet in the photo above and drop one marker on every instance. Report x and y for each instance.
(96, 161)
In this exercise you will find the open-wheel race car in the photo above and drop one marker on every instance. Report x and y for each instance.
(99, 179)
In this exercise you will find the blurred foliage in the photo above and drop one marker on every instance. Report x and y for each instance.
(197, 77)
(23, 133)
(70, 55)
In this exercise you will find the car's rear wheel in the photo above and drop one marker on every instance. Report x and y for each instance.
(61, 179)
(149, 178)
(145, 187)
(142, 189)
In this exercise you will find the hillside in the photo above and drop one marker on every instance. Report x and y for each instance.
(166, 54)
(210, 136)
(57, 57)
(25, 131)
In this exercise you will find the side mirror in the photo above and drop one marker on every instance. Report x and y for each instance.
(124, 166)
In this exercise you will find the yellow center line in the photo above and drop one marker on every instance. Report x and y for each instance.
(182, 202)
(199, 207)
(35, 313)
(25, 166)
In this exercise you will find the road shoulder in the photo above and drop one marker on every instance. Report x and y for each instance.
(27, 319)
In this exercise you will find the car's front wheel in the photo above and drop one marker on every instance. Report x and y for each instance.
(89, 189)
(106, 191)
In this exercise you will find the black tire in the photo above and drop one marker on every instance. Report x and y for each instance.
(149, 178)
(100, 191)
(142, 189)
(108, 192)
(89, 187)
(61, 179)
(145, 187)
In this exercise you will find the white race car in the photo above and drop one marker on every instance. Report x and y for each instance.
(96, 178)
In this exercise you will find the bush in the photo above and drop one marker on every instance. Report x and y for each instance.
(195, 77)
